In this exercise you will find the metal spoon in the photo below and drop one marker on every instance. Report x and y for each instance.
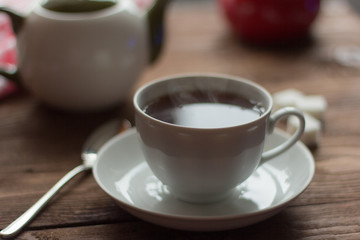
(89, 155)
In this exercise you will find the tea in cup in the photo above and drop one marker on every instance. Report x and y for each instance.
(202, 135)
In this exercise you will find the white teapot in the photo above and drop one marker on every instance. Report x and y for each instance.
(85, 55)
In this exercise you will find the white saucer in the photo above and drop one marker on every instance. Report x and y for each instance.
(122, 172)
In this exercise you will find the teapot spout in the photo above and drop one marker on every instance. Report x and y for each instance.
(155, 19)
(17, 19)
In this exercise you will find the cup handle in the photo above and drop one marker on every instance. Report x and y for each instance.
(274, 118)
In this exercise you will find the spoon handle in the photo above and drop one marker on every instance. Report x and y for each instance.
(27, 216)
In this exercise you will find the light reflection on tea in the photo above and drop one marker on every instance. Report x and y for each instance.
(204, 109)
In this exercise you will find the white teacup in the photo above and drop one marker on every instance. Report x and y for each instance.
(202, 162)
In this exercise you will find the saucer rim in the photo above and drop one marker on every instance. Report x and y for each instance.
(273, 209)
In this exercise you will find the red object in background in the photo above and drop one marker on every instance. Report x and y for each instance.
(8, 43)
(7, 55)
(270, 21)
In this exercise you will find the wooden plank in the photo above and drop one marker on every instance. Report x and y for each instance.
(327, 221)
(84, 202)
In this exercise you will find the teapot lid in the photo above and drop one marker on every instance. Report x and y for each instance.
(75, 6)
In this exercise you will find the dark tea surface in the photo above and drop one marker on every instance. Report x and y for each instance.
(204, 109)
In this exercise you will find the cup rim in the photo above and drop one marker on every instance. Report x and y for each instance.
(202, 75)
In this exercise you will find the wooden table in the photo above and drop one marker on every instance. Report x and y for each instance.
(38, 145)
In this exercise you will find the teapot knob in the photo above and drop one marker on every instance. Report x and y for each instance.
(76, 6)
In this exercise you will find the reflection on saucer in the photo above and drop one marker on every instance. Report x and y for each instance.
(122, 172)
(257, 192)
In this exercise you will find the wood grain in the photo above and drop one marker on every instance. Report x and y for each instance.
(38, 145)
